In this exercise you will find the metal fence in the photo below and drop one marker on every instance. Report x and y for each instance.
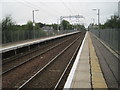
(110, 37)
(21, 35)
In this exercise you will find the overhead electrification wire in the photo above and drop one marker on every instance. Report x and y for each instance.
(67, 8)
(38, 7)
(73, 8)
(33, 7)
(27, 5)
(53, 9)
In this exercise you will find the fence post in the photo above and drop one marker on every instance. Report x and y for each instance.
(18, 35)
(4, 38)
(11, 36)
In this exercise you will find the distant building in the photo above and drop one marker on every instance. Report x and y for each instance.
(92, 26)
(47, 28)
(119, 8)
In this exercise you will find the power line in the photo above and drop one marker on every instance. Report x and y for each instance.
(67, 8)
(26, 2)
(73, 8)
(52, 8)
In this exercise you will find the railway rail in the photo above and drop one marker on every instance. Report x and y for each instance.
(25, 57)
(33, 48)
(17, 49)
(46, 69)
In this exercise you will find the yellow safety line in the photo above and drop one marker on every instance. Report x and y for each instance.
(98, 80)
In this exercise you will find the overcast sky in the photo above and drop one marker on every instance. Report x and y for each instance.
(51, 10)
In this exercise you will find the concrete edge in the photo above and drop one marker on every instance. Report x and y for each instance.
(71, 75)
(33, 42)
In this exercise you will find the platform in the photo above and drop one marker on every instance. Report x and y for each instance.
(30, 42)
(89, 70)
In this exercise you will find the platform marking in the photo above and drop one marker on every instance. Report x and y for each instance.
(72, 72)
(98, 80)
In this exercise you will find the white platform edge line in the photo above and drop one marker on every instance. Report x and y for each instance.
(29, 43)
(72, 72)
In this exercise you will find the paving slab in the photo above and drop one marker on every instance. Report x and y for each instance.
(108, 61)
(81, 85)
(88, 73)
(82, 74)
(98, 80)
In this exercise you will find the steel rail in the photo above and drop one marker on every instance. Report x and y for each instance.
(32, 77)
(14, 67)
(56, 86)
(21, 55)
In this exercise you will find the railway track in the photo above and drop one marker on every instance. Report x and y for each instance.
(47, 63)
(50, 69)
(19, 60)
(8, 69)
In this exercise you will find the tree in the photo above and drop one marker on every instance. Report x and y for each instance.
(41, 25)
(7, 23)
(79, 27)
(0, 26)
(29, 25)
(37, 27)
(70, 27)
(55, 26)
(65, 24)
(114, 22)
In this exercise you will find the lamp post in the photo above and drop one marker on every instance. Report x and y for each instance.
(33, 11)
(98, 13)
(58, 25)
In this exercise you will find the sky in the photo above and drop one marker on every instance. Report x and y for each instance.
(51, 10)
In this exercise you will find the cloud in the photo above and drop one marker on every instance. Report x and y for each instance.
(62, 0)
(49, 12)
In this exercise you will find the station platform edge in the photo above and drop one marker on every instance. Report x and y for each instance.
(86, 71)
(17, 45)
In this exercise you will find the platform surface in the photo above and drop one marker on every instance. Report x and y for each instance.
(30, 42)
(109, 62)
(88, 72)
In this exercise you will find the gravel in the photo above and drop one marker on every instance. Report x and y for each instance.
(16, 77)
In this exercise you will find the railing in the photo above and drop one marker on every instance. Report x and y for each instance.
(21, 35)
(110, 37)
